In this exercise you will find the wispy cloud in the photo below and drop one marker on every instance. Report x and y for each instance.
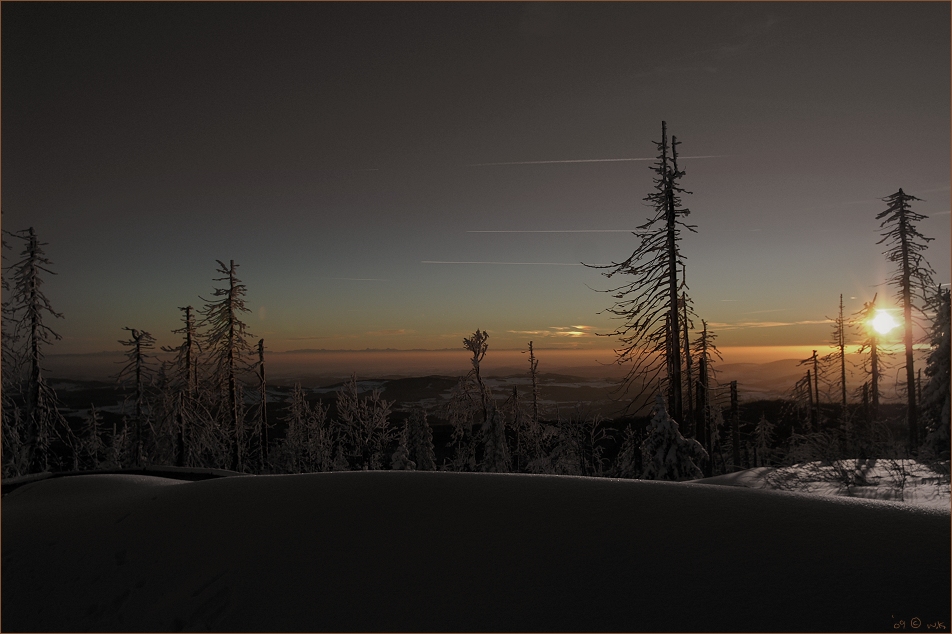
(557, 331)
(359, 279)
(519, 263)
(306, 338)
(601, 160)
(772, 310)
(399, 331)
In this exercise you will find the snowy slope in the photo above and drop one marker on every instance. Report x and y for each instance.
(904, 480)
(412, 551)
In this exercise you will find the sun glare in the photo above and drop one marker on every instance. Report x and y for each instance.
(883, 322)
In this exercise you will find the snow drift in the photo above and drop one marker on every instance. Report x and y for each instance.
(433, 551)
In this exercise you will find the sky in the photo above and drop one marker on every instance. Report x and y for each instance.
(399, 175)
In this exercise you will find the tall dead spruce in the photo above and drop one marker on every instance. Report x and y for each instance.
(184, 376)
(912, 279)
(226, 340)
(872, 364)
(23, 353)
(649, 304)
(138, 372)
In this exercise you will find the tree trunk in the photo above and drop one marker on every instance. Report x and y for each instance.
(810, 395)
(842, 346)
(675, 333)
(735, 426)
(816, 388)
(906, 288)
(263, 408)
(689, 415)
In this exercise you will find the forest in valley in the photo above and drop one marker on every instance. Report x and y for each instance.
(210, 405)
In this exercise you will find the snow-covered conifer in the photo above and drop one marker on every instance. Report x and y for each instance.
(400, 460)
(495, 446)
(27, 335)
(579, 444)
(666, 454)
(460, 410)
(763, 439)
(91, 440)
(295, 436)
(628, 463)
(419, 441)
(936, 393)
(227, 342)
(139, 372)
(365, 426)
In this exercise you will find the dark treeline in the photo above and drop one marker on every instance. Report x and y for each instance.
(210, 406)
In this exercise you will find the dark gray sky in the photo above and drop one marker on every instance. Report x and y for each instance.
(337, 152)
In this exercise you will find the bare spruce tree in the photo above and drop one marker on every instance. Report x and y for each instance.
(874, 357)
(649, 303)
(912, 280)
(262, 419)
(814, 389)
(534, 375)
(138, 372)
(838, 356)
(28, 335)
(226, 340)
(706, 352)
(183, 376)
(686, 325)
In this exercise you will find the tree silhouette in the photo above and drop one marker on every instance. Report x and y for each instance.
(183, 377)
(838, 356)
(261, 420)
(478, 344)
(814, 389)
(226, 340)
(419, 441)
(666, 454)
(649, 304)
(27, 336)
(706, 352)
(912, 279)
(138, 371)
(935, 394)
(365, 425)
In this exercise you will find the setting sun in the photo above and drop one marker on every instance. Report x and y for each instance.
(883, 322)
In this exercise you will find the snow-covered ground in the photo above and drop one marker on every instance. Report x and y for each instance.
(435, 551)
(897, 480)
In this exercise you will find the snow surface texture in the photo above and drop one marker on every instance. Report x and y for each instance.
(899, 480)
(416, 551)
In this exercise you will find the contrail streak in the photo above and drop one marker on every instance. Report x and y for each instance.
(554, 231)
(546, 263)
(608, 160)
